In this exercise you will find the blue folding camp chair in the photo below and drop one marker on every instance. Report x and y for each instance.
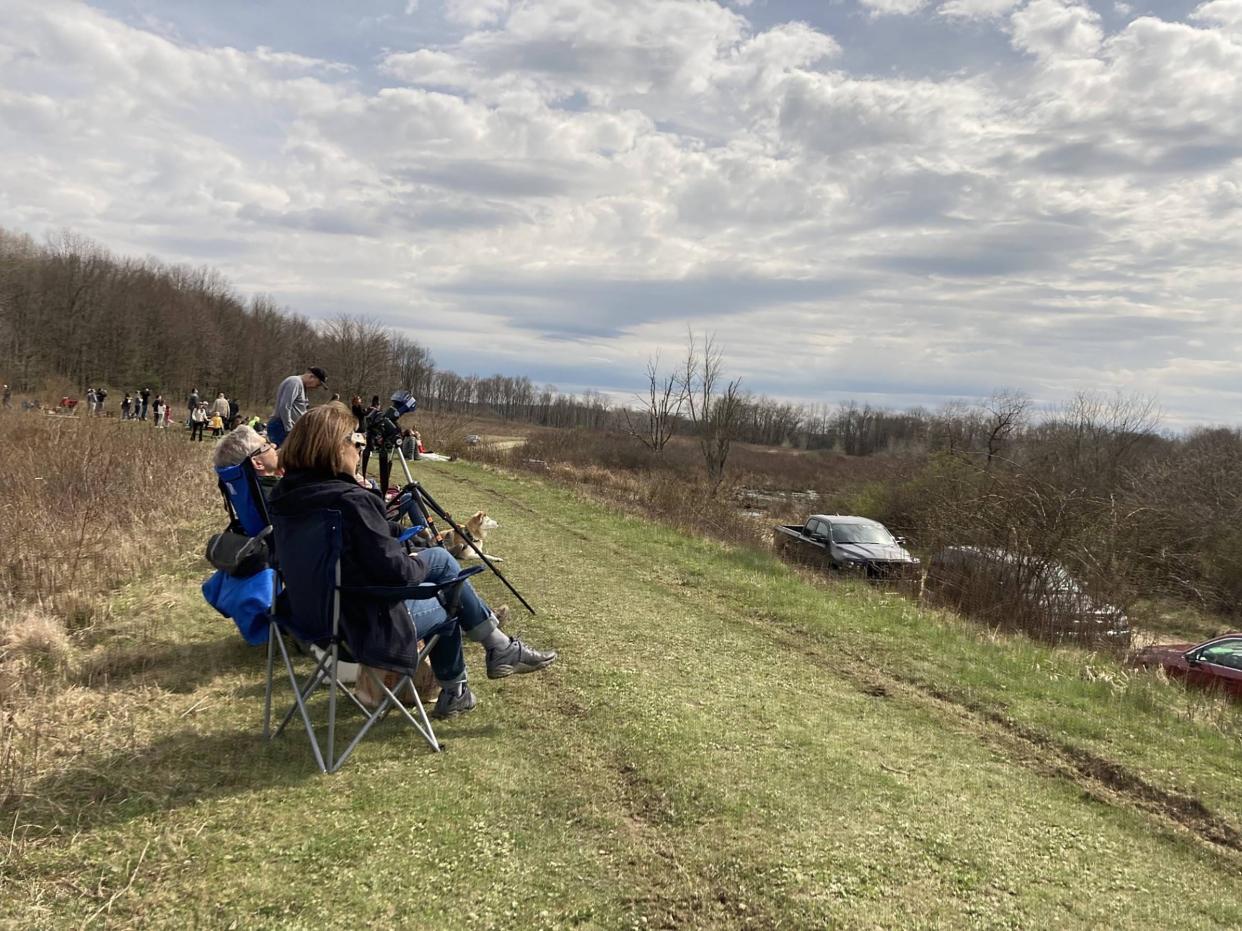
(308, 612)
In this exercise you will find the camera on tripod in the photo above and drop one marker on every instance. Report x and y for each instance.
(382, 429)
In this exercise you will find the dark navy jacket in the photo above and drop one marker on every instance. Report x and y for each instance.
(379, 633)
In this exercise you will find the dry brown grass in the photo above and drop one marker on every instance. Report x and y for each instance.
(86, 505)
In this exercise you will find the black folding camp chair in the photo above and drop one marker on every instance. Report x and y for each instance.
(308, 612)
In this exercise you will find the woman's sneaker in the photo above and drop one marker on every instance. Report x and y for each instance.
(451, 704)
(516, 657)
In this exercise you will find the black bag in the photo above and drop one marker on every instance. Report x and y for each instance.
(238, 555)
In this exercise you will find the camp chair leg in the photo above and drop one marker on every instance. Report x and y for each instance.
(301, 706)
(373, 717)
(272, 633)
(425, 727)
(332, 708)
(391, 701)
(304, 691)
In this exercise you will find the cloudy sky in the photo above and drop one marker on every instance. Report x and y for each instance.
(898, 201)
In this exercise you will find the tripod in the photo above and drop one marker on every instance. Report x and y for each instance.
(426, 506)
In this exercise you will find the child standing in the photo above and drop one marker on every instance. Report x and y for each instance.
(198, 420)
(217, 424)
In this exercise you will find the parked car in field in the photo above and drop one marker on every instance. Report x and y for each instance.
(1022, 592)
(840, 541)
(1213, 664)
(473, 439)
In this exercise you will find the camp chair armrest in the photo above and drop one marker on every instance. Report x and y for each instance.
(416, 592)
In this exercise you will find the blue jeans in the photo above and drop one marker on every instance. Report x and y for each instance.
(447, 661)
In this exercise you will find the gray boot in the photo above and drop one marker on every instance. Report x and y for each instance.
(516, 657)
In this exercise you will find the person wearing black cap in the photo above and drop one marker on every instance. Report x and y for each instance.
(291, 401)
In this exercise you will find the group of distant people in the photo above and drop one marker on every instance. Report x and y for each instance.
(218, 416)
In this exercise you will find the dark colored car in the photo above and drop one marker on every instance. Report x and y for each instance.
(1022, 592)
(1213, 664)
(853, 544)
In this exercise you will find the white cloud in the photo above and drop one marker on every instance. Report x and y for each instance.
(476, 13)
(1225, 13)
(580, 177)
(977, 9)
(1057, 29)
(893, 7)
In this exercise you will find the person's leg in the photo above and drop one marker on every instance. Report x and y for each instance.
(385, 461)
(505, 655)
(441, 566)
(366, 457)
(447, 662)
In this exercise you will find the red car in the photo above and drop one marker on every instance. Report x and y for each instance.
(1213, 664)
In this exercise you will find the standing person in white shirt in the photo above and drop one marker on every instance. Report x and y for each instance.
(291, 401)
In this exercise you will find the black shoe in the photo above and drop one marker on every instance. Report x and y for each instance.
(451, 704)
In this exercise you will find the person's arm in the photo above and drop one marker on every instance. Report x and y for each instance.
(285, 396)
(380, 557)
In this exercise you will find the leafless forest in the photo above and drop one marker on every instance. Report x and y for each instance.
(1096, 484)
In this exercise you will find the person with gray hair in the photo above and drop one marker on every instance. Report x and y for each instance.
(244, 443)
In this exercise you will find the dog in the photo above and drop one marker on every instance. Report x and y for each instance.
(476, 530)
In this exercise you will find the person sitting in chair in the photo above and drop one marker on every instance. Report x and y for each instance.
(244, 443)
(320, 459)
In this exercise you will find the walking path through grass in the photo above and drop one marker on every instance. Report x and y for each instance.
(720, 745)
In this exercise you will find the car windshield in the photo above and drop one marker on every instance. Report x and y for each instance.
(861, 533)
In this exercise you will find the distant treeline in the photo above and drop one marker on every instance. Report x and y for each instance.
(75, 314)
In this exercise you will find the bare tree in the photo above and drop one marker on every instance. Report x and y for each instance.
(715, 405)
(662, 406)
(359, 352)
(1006, 413)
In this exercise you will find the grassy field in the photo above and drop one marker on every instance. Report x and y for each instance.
(724, 743)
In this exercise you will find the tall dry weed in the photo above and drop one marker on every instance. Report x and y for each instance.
(86, 504)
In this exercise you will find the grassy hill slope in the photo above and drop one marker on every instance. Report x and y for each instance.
(721, 744)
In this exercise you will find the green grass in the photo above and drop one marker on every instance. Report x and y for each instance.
(723, 743)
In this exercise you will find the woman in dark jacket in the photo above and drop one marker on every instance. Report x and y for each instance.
(320, 462)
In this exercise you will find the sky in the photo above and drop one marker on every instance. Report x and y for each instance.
(901, 202)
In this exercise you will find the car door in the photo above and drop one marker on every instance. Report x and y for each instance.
(1218, 664)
